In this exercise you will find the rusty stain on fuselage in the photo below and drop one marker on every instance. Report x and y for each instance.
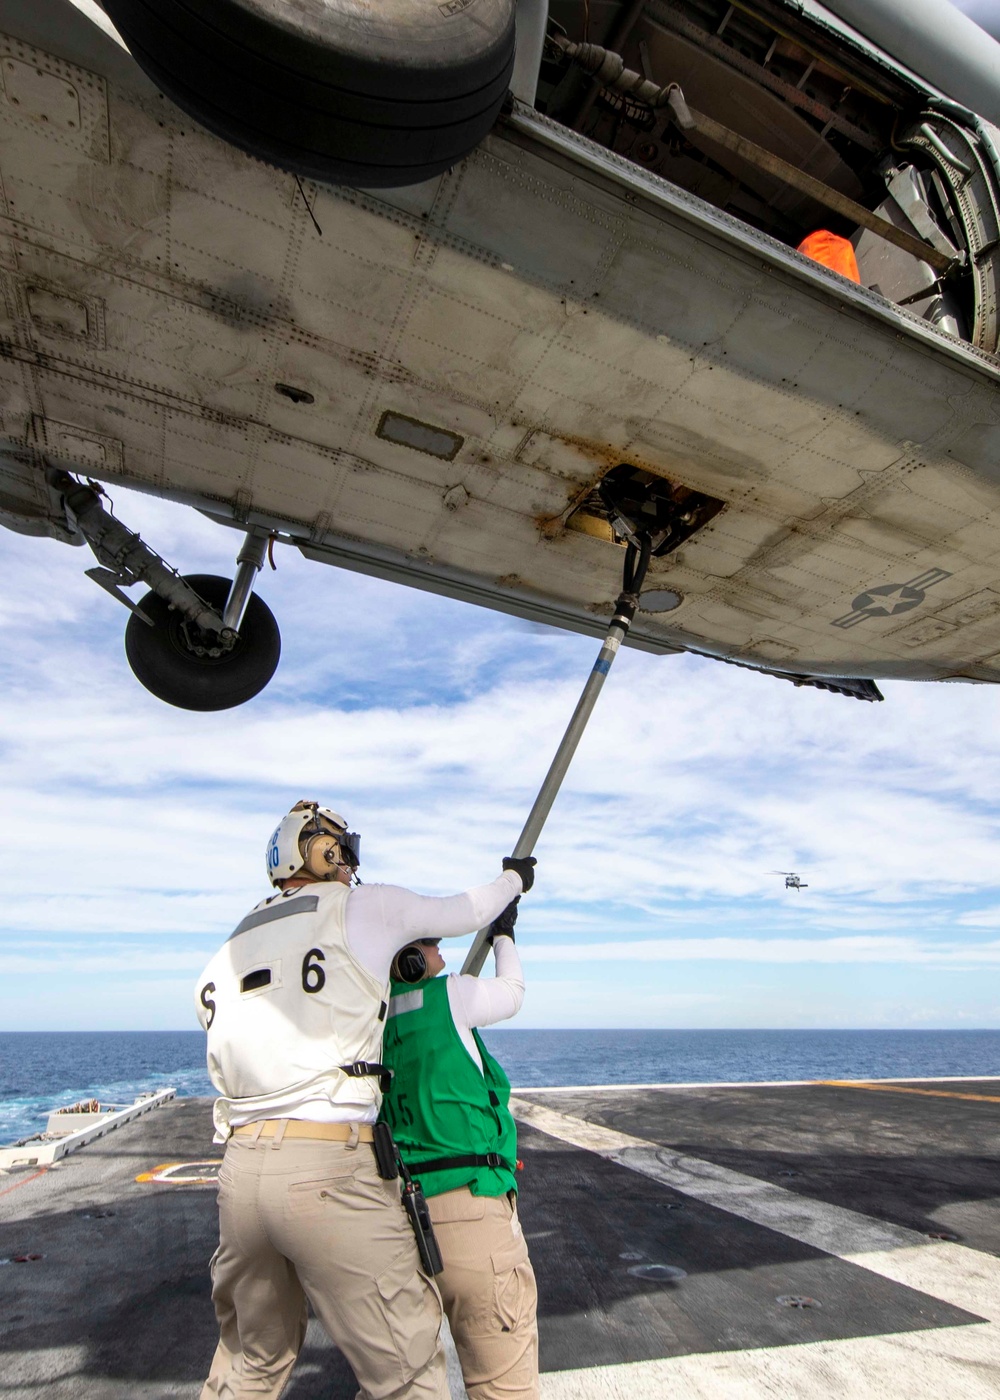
(600, 456)
(604, 458)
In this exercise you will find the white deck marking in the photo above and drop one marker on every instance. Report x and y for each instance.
(953, 1362)
(950, 1363)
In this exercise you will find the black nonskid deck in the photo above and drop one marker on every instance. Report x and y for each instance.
(590, 1222)
(925, 1155)
(615, 1181)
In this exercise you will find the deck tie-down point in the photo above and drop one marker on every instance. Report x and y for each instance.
(658, 1273)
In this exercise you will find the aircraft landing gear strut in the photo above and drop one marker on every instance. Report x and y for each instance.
(198, 642)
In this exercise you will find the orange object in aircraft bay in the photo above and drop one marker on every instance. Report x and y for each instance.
(832, 251)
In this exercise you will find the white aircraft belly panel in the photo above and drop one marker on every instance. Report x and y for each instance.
(743, 428)
(43, 93)
(825, 477)
(478, 349)
(880, 541)
(660, 279)
(341, 387)
(232, 189)
(553, 325)
(354, 277)
(843, 440)
(502, 207)
(200, 456)
(198, 243)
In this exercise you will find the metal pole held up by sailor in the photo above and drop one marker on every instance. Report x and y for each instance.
(637, 560)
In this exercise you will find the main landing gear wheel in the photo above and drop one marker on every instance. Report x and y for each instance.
(165, 657)
(355, 93)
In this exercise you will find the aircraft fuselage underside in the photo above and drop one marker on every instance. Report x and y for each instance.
(427, 384)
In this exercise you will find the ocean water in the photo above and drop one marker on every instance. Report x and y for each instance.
(41, 1070)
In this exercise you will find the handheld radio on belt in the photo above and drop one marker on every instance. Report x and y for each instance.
(416, 1207)
(391, 1167)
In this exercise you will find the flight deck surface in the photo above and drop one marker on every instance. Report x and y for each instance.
(830, 1238)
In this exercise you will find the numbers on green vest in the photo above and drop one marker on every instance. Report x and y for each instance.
(403, 1113)
(313, 976)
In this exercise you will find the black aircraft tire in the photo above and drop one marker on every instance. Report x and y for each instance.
(344, 91)
(161, 659)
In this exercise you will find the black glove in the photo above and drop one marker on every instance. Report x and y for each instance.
(503, 925)
(525, 867)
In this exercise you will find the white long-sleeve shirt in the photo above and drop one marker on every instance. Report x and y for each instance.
(382, 919)
(302, 973)
(475, 1002)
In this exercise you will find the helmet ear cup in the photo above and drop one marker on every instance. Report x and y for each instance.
(409, 965)
(322, 856)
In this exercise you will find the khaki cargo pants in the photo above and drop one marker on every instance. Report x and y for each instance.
(488, 1290)
(312, 1219)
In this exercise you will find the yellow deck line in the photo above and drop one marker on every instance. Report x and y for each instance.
(898, 1089)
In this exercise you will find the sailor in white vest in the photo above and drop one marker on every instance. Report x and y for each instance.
(293, 1004)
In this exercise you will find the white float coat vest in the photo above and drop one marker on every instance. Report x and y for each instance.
(285, 1003)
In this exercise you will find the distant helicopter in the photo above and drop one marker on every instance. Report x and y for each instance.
(792, 881)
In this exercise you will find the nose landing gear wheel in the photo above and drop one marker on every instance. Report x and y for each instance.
(165, 657)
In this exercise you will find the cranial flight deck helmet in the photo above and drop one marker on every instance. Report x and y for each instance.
(410, 963)
(314, 840)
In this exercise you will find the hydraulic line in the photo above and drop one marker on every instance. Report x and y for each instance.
(609, 71)
(637, 558)
(615, 41)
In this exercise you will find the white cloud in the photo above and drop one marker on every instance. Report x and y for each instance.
(980, 918)
(120, 961)
(859, 949)
(430, 725)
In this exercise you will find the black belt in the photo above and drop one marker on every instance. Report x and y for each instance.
(471, 1159)
(364, 1069)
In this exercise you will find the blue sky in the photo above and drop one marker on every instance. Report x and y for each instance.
(135, 833)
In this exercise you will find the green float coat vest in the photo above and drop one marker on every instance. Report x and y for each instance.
(439, 1104)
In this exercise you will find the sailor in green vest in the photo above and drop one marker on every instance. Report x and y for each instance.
(449, 1116)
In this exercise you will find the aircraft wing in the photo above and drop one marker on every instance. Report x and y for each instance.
(428, 383)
